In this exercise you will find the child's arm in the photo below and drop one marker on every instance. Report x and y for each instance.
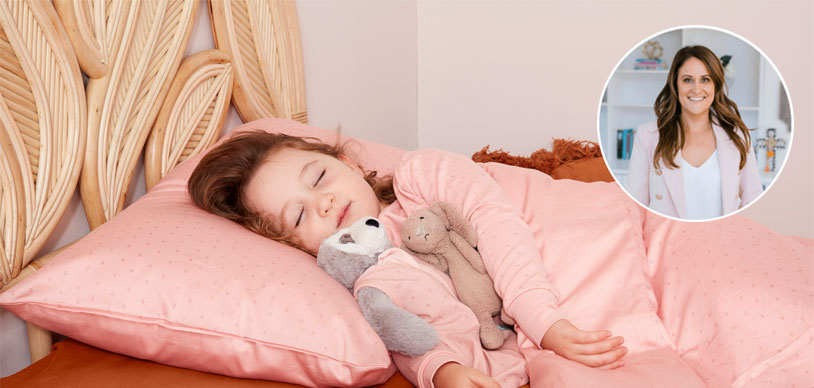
(505, 240)
(454, 375)
(422, 290)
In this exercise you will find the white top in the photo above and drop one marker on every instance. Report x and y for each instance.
(702, 189)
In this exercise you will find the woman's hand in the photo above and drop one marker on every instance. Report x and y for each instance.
(592, 348)
(456, 375)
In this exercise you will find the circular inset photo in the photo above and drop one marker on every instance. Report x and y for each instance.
(695, 123)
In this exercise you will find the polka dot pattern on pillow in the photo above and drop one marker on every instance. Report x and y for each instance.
(168, 282)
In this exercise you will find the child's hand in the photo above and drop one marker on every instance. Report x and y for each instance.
(592, 348)
(456, 375)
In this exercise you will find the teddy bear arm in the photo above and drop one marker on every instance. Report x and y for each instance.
(400, 330)
(432, 259)
(468, 252)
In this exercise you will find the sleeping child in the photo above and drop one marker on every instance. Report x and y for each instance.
(564, 256)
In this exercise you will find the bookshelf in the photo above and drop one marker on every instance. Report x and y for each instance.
(628, 98)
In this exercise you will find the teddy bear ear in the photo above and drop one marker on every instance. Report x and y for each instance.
(440, 210)
(455, 221)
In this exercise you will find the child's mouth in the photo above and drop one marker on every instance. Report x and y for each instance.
(342, 215)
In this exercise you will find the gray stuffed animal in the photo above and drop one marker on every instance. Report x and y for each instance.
(346, 255)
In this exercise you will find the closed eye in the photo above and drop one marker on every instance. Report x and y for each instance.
(302, 212)
(320, 177)
(299, 218)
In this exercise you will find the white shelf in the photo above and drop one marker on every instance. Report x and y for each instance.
(634, 106)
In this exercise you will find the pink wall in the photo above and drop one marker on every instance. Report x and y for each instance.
(516, 74)
(462, 74)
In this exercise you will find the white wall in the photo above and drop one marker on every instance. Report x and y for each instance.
(514, 74)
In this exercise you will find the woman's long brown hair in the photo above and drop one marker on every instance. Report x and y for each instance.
(218, 183)
(723, 111)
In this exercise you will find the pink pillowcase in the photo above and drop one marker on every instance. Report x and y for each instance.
(168, 282)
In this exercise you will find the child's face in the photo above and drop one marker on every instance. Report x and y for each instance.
(312, 194)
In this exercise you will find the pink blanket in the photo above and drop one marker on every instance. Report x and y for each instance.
(717, 304)
(736, 299)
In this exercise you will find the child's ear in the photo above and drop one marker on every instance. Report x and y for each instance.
(350, 163)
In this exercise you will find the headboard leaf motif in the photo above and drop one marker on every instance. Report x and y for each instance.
(12, 200)
(122, 104)
(192, 115)
(263, 39)
(56, 133)
(95, 28)
(43, 119)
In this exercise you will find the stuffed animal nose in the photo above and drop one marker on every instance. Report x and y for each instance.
(372, 222)
(420, 232)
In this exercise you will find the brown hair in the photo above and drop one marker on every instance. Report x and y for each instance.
(218, 182)
(723, 111)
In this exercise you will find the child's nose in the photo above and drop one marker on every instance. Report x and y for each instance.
(325, 204)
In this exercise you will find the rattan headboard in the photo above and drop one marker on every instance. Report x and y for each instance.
(52, 126)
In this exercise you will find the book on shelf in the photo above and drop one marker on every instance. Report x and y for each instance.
(649, 64)
(624, 143)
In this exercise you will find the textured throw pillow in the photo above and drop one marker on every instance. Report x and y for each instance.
(168, 282)
(584, 170)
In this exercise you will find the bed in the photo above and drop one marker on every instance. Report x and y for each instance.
(163, 281)
(60, 133)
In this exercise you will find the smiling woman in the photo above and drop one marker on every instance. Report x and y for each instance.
(684, 128)
(695, 161)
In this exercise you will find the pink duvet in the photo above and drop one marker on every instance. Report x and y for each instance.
(720, 304)
(736, 299)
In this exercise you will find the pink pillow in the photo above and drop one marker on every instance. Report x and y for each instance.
(168, 282)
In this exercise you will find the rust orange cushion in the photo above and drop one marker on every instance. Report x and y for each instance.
(584, 170)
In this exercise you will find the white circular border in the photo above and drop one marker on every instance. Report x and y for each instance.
(763, 55)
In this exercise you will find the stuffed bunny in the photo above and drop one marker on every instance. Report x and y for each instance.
(442, 237)
(346, 255)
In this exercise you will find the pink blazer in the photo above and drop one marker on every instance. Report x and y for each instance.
(662, 189)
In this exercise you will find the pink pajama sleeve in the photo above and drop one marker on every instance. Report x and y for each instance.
(428, 293)
(505, 240)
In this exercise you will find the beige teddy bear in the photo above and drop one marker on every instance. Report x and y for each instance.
(442, 237)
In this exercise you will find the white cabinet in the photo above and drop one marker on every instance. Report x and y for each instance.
(630, 94)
